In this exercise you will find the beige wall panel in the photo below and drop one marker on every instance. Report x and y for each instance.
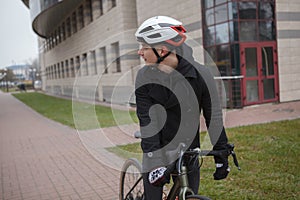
(288, 52)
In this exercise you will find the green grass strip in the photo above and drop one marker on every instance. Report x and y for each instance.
(268, 155)
(82, 116)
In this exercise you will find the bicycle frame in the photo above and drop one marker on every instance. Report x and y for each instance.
(181, 185)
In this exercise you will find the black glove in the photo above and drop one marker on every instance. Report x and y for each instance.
(222, 168)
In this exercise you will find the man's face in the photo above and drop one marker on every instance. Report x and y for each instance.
(147, 54)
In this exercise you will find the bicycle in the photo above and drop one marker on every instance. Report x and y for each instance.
(131, 184)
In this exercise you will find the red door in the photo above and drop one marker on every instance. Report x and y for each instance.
(260, 70)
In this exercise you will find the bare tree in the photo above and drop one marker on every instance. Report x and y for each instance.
(35, 68)
(9, 74)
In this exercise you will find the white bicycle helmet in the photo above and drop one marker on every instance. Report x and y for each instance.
(160, 29)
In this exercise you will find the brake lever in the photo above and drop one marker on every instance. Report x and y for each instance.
(232, 153)
(235, 160)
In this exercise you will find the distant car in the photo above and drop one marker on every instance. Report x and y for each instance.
(37, 84)
(21, 86)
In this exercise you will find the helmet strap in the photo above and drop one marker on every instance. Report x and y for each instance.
(160, 58)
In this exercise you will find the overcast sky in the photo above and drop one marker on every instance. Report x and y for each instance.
(18, 42)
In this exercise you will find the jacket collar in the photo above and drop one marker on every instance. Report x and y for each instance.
(186, 68)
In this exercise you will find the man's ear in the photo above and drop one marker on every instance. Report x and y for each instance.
(164, 49)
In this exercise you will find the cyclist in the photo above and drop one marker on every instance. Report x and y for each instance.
(171, 91)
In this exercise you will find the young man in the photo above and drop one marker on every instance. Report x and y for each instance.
(171, 91)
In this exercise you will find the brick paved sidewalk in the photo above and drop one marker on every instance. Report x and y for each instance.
(259, 114)
(41, 159)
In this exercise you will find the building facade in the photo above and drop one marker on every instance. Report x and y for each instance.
(88, 49)
(20, 72)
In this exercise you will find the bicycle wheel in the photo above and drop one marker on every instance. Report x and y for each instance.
(131, 182)
(197, 197)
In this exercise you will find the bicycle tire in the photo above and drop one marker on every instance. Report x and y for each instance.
(130, 175)
(197, 197)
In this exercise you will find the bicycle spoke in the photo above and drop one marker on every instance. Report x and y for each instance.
(131, 181)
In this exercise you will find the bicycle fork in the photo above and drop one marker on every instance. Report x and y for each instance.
(181, 187)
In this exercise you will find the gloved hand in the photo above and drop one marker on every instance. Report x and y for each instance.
(222, 168)
(158, 177)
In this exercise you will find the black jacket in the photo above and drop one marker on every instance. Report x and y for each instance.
(169, 106)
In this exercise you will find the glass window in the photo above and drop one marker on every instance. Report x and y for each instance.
(74, 22)
(235, 59)
(247, 10)
(208, 3)
(266, 31)
(114, 3)
(72, 67)
(62, 70)
(269, 89)
(223, 52)
(84, 65)
(232, 10)
(54, 72)
(210, 36)
(233, 31)
(266, 10)
(58, 70)
(88, 10)
(248, 31)
(77, 63)
(55, 38)
(59, 35)
(101, 7)
(220, 1)
(111, 4)
(210, 56)
(63, 31)
(222, 33)
(51, 72)
(116, 56)
(103, 59)
(221, 13)
(93, 62)
(68, 27)
(223, 68)
(267, 61)
(223, 60)
(252, 90)
(210, 17)
(251, 62)
(67, 68)
(80, 17)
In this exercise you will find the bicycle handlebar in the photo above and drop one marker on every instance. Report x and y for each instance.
(220, 153)
(197, 151)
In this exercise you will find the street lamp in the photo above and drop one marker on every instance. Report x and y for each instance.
(6, 83)
(2, 75)
(32, 72)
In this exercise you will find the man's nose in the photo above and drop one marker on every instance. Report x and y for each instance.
(140, 52)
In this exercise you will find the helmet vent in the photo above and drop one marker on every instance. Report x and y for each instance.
(165, 25)
(177, 38)
(149, 28)
(157, 35)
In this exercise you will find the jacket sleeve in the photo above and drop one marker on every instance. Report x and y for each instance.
(146, 112)
(212, 110)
